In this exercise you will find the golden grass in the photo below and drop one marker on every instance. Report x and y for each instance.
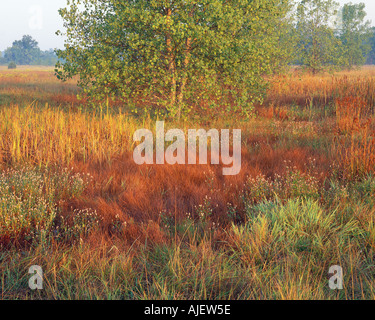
(55, 136)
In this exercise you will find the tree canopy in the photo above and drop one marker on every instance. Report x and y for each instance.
(170, 52)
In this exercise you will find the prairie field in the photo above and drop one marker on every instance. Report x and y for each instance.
(73, 201)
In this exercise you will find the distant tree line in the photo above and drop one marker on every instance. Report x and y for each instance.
(371, 56)
(330, 37)
(27, 52)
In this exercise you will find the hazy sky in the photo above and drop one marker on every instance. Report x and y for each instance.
(40, 19)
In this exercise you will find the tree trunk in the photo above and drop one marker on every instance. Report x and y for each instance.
(180, 97)
(172, 63)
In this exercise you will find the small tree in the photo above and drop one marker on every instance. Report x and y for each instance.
(355, 35)
(319, 48)
(169, 52)
(12, 65)
(23, 52)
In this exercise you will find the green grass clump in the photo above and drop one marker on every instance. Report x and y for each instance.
(299, 225)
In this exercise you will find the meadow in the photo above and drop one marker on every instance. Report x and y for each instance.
(73, 201)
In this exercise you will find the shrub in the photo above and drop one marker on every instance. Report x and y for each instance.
(12, 65)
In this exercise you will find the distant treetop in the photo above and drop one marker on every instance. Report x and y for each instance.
(27, 52)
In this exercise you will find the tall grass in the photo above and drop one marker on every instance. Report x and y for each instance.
(109, 229)
(355, 139)
(50, 135)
